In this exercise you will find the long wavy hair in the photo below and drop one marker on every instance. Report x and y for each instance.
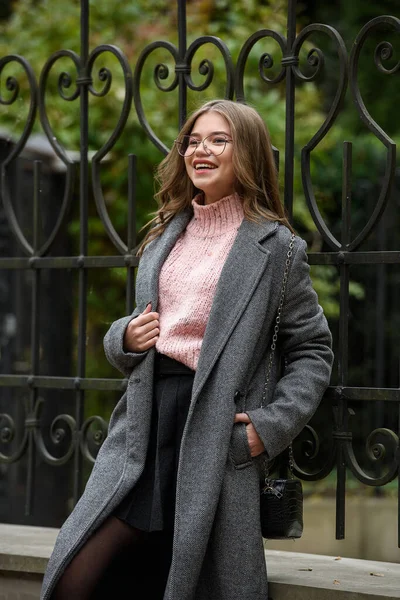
(254, 166)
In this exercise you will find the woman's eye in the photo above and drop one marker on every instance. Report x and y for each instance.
(219, 140)
(192, 142)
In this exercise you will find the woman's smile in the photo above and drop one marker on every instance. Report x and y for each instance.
(202, 165)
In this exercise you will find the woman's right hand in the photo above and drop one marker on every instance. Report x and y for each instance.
(142, 332)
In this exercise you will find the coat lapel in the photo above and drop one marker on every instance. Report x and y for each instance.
(239, 278)
(155, 255)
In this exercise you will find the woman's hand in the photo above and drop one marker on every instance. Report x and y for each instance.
(142, 332)
(255, 443)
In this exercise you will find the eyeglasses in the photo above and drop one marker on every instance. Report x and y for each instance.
(213, 144)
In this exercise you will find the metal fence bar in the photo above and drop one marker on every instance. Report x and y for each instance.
(341, 409)
(84, 80)
(288, 61)
(35, 323)
(130, 280)
(390, 257)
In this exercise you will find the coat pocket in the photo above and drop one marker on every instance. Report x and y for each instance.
(239, 449)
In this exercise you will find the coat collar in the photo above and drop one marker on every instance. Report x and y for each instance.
(156, 253)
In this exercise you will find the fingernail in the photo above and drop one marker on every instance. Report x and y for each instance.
(148, 304)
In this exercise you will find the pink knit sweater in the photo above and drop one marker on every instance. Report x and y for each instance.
(190, 274)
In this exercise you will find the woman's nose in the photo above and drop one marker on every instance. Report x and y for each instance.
(200, 148)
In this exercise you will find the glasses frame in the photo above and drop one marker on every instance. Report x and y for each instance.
(179, 144)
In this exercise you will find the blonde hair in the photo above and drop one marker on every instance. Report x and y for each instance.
(253, 164)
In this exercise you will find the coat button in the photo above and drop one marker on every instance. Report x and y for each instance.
(137, 380)
(236, 397)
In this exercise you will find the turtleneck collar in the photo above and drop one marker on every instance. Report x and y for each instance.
(215, 219)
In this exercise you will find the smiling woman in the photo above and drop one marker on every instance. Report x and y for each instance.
(177, 481)
(250, 152)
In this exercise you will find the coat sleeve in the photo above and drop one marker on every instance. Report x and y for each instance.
(306, 342)
(114, 346)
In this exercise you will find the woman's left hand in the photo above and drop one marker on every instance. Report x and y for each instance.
(255, 443)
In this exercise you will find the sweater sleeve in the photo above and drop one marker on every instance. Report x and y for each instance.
(306, 343)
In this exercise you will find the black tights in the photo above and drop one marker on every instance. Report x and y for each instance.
(115, 563)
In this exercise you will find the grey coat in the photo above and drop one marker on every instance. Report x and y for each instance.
(218, 549)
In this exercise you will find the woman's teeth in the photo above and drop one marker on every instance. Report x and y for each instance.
(204, 166)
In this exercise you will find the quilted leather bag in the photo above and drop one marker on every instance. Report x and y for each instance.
(281, 500)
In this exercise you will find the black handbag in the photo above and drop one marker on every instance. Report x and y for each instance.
(281, 509)
(281, 500)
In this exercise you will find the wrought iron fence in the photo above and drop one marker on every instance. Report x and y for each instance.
(85, 435)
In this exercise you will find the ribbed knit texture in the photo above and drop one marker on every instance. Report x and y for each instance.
(190, 274)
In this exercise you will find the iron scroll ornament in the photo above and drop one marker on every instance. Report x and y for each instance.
(381, 448)
(14, 88)
(291, 63)
(377, 451)
(92, 434)
(64, 83)
(161, 72)
(7, 434)
(383, 51)
(85, 78)
(310, 449)
(266, 61)
(106, 78)
(314, 57)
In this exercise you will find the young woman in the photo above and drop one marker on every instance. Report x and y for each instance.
(175, 488)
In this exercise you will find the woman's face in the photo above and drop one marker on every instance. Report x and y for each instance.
(210, 173)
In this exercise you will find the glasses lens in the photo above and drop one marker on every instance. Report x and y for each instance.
(186, 145)
(215, 144)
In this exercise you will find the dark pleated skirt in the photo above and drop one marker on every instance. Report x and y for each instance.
(150, 506)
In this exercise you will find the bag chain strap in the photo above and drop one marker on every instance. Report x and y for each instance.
(270, 361)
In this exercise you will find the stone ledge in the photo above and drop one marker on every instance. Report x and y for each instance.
(295, 576)
(25, 550)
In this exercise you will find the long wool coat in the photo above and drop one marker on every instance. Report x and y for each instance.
(218, 549)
